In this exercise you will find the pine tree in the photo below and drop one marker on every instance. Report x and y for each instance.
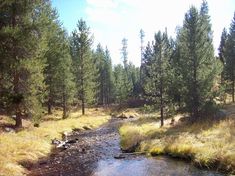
(128, 85)
(197, 60)
(158, 71)
(230, 58)
(222, 53)
(105, 77)
(66, 86)
(221, 49)
(23, 44)
(121, 93)
(59, 77)
(83, 63)
(141, 54)
(101, 81)
(134, 74)
(109, 78)
(177, 86)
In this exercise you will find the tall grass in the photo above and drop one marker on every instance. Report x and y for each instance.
(33, 143)
(207, 144)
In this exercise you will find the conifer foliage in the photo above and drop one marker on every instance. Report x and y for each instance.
(158, 71)
(81, 42)
(197, 60)
(42, 67)
(227, 52)
(23, 44)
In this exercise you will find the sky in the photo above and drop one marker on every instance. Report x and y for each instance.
(112, 20)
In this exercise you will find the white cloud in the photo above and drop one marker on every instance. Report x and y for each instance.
(111, 20)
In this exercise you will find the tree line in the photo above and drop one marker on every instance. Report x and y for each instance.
(42, 66)
(184, 73)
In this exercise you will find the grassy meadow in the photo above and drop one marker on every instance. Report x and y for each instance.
(208, 144)
(32, 143)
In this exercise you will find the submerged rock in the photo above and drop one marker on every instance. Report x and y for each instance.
(119, 157)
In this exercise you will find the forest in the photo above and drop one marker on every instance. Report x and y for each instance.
(44, 69)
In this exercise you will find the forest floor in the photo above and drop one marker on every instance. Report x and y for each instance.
(20, 149)
(210, 143)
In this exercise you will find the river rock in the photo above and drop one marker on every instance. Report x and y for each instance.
(65, 135)
(9, 130)
(77, 129)
(119, 157)
(72, 141)
(126, 115)
(86, 128)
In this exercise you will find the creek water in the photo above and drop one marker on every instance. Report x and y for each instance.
(140, 165)
(153, 166)
(94, 155)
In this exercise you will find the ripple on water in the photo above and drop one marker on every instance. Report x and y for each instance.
(142, 166)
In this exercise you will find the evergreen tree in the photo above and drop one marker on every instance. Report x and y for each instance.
(177, 86)
(230, 58)
(128, 85)
(197, 60)
(158, 71)
(59, 77)
(66, 87)
(222, 53)
(141, 54)
(121, 93)
(105, 79)
(101, 81)
(58, 72)
(221, 49)
(109, 78)
(23, 44)
(134, 74)
(124, 52)
(83, 63)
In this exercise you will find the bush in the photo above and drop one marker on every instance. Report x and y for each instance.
(209, 109)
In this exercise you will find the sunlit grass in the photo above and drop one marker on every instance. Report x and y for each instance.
(207, 144)
(33, 143)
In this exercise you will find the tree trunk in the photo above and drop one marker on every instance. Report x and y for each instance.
(49, 107)
(161, 88)
(82, 82)
(18, 118)
(64, 112)
(162, 118)
(64, 107)
(16, 77)
(18, 123)
(161, 101)
(233, 90)
(83, 106)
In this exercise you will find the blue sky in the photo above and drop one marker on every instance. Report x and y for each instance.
(112, 20)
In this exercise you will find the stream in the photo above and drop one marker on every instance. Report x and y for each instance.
(94, 155)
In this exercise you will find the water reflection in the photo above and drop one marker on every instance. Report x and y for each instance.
(141, 166)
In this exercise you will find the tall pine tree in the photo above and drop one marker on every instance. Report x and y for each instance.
(83, 63)
(230, 58)
(23, 44)
(197, 60)
(158, 72)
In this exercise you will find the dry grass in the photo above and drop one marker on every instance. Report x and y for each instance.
(208, 144)
(33, 143)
